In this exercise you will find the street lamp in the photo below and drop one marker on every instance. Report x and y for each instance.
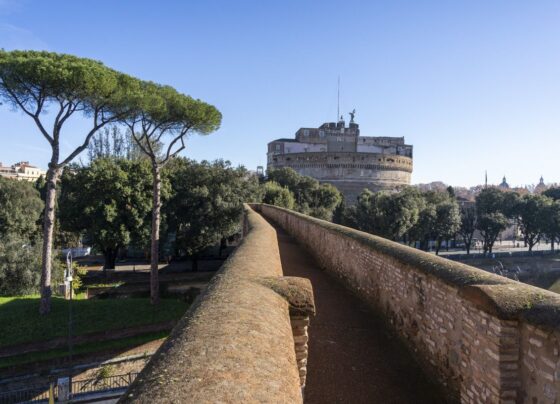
(69, 279)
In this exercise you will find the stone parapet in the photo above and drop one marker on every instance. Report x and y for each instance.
(243, 340)
(485, 338)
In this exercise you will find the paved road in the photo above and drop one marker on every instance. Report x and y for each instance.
(352, 359)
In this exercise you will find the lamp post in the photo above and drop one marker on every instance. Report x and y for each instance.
(69, 279)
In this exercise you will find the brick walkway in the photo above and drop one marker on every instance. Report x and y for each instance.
(352, 358)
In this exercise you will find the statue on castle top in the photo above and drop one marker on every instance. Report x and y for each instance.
(352, 114)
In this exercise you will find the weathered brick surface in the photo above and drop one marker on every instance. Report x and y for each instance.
(244, 340)
(487, 339)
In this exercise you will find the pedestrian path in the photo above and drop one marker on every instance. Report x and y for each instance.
(352, 357)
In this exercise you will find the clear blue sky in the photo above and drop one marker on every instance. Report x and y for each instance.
(473, 85)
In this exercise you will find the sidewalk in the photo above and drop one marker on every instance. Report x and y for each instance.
(352, 357)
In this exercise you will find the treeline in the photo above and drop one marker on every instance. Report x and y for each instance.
(410, 216)
(418, 217)
(108, 205)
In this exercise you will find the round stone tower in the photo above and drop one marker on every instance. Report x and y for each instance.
(337, 154)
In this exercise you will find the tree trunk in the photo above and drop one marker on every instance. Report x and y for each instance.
(194, 260)
(53, 175)
(552, 244)
(110, 256)
(156, 219)
(222, 246)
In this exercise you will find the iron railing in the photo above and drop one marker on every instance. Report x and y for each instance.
(37, 394)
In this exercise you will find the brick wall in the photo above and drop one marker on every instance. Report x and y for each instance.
(244, 340)
(487, 339)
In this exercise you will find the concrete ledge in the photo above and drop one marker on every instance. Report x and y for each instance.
(235, 344)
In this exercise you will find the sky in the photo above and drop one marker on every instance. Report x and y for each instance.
(472, 85)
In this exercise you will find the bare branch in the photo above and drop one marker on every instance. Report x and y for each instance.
(170, 155)
(34, 115)
(79, 149)
(138, 142)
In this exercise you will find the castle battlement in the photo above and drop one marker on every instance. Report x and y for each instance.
(337, 154)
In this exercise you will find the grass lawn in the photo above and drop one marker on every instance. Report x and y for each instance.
(20, 321)
(83, 349)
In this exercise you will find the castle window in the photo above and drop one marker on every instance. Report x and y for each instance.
(321, 133)
(306, 132)
(277, 147)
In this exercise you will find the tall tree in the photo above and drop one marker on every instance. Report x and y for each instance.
(276, 194)
(311, 197)
(532, 213)
(35, 82)
(468, 226)
(206, 203)
(388, 215)
(490, 226)
(552, 224)
(109, 201)
(491, 219)
(166, 117)
(447, 221)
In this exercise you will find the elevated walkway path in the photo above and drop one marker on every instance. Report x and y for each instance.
(352, 356)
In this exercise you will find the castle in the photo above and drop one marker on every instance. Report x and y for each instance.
(335, 153)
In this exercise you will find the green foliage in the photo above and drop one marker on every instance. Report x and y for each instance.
(109, 201)
(490, 226)
(30, 80)
(206, 203)
(105, 372)
(532, 217)
(21, 207)
(311, 197)
(20, 255)
(275, 194)
(20, 267)
(490, 208)
(468, 226)
(447, 221)
(551, 228)
(406, 215)
(79, 273)
(553, 193)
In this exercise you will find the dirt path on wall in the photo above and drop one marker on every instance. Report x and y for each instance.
(352, 358)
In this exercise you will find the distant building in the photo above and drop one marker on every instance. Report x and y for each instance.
(504, 184)
(22, 171)
(335, 153)
(541, 187)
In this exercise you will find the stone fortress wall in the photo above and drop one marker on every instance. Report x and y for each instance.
(485, 338)
(337, 154)
(244, 340)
